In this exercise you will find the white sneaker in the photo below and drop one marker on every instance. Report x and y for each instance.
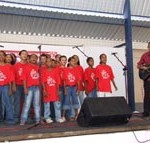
(61, 120)
(49, 121)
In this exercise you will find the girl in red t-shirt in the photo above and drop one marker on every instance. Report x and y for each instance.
(50, 82)
(6, 77)
(71, 85)
(104, 77)
(90, 78)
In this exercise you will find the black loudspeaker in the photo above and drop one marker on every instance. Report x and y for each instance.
(98, 111)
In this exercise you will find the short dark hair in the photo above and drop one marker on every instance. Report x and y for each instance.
(88, 59)
(33, 55)
(22, 51)
(63, 56)
(3, 52)
(43, 55)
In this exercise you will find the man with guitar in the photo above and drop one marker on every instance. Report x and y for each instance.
(144, 73)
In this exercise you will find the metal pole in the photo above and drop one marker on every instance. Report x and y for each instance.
(129, 54)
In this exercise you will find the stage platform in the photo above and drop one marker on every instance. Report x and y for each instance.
(54, 130)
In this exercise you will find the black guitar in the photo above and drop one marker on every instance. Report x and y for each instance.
(144, 74)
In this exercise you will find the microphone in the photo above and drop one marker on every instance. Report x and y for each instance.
(74, 47)
(114, 53)
(1, 46)
(39, 47)
(77, 46)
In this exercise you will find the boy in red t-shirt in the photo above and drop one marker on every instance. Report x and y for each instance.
(90, 78)
(6, 77)
(104, 77)
(71, 85)
(80, 71)
(30, 78)
(18, 69)
(50, 82)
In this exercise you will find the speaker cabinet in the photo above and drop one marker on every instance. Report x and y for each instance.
(104, 111)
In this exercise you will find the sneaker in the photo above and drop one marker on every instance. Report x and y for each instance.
(61, 120)
(48, 121)
(22, 123)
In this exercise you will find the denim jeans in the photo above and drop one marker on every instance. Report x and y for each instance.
(71, 96)
(6, 105)
(18, 97)
(81, 97)
(61, 95)
(92, 93)
(47, 111)
(69, 113)
(33, 95)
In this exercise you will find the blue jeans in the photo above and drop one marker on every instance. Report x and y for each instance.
(6, 105)
(93, 93)
(69, 113)
(71, 96)
(18, 97)
(81, 97)
(61, 95)
(33, 95)
(47, 111)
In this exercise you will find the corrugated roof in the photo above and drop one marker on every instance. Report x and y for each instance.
(109, 6)
(101, 19)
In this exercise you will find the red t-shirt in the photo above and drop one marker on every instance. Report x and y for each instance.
(31, 75)
(18, 70)
(51, 79)
(60, 72)
(90, 78)
(104, 74)
(6, 75)
(145, 60)
(80, 71)
(71, 76)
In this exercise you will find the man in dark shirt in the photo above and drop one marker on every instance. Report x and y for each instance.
(144, 64)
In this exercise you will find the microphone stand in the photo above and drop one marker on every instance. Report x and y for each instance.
(81, 51)
(41, 121)
(125, 74)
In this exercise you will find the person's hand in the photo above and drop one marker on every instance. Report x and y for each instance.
(10, 92)
(116, 88)
(86, 92)
(26, 91)
(44, 93)
(65, 92)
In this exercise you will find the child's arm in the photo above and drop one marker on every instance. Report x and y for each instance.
(25, 87)
(44, 89)
(65, 88)
(114, 84)
(85, 86)
(10, 89)
(97, 84)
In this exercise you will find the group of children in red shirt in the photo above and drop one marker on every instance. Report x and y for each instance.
(43, 82)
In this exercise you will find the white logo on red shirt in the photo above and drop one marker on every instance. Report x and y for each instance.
(104, 74)
(2, 76)
(34, 74)
(93, 76)
(71, 77)
(51, 81)
(20, 71)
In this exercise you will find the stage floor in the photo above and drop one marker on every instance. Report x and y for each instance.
(17, 132)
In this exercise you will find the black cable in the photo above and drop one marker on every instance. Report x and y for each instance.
(138, 139)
